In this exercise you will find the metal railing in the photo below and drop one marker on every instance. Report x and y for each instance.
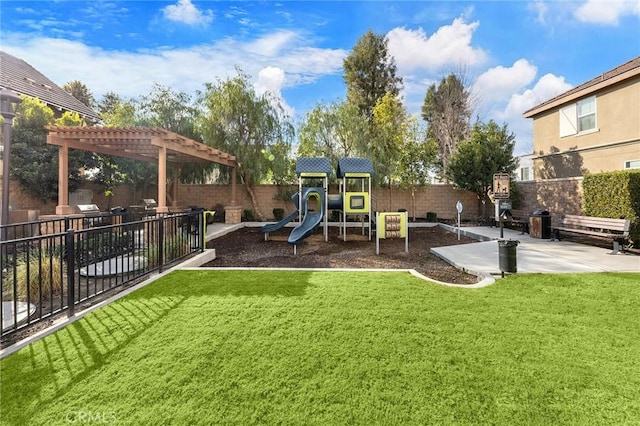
(52, 267)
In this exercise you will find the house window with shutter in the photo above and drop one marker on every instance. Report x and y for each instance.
(578, 118)
(587, 114)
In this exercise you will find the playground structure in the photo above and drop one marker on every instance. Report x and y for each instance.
(313, 203)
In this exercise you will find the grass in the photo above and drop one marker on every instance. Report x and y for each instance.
(265, 347)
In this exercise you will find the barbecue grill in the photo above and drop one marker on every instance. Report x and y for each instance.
(92, 215)
(147, 207)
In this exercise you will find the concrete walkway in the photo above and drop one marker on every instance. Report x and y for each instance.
(533, 255)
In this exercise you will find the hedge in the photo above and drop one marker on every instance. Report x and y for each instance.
(615, 195)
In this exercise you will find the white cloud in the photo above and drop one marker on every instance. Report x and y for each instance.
(131, 74)
(272, 44)
(271, 80)
(498, 83)
(540, 8)
(449, 45)
(606, 12)
(547, 87)
(185, 12)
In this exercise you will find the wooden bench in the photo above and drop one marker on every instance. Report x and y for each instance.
(599, 227)
(520, 218)
(517, 217)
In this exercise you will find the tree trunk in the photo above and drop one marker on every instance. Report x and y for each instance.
(413, 204)
(252, 196)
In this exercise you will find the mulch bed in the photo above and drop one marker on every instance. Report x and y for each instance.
(247, 248)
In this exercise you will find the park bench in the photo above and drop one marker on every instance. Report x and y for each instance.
(616, 230)
(519, 218)
(515, 217)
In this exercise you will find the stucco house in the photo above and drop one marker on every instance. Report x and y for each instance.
(592, 128)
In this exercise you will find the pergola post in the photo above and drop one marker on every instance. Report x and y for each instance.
(162, 180)
(174, 193)
(63, 207)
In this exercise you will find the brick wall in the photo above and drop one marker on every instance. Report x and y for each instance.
(435, 198)
(558, 196)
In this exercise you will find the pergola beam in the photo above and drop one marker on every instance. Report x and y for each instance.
(149, 144)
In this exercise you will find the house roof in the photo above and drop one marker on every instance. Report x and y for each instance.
(606, 79)
(22, 78)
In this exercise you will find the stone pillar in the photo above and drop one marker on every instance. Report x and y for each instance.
(232, 214)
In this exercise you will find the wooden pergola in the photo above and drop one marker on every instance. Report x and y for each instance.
(150, 144)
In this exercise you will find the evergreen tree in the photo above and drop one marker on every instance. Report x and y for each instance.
(370, 73)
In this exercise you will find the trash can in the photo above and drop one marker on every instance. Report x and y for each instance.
(118, 215)
(507, 255)
(540, 224)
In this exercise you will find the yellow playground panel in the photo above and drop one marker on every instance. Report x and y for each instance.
(392, 225)
(356, 202)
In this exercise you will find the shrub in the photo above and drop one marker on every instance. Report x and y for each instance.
(41, 276)
(615, 195)
(432, 217)
(247, 215)
(278, 213)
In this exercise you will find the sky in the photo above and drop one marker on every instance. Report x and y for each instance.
(513, 54)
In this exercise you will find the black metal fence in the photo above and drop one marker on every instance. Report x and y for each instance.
(51, 267)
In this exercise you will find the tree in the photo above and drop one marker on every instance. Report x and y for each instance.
(418, 156)
(388, 132)
(334, 131)
(370, 73)
(81, 92)
(489, 150)
(108, 103)
(112, 170)
(170, 110)
(447, 110)
(249, 126)
(34, 163)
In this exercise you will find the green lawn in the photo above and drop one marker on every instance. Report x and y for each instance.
(273, 347)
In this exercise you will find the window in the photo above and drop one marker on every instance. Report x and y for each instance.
(587, 114)
(579, 117)
(524, 173)
(632, 164)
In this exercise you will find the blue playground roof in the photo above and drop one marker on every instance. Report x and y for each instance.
(313, 165)
(354, 165)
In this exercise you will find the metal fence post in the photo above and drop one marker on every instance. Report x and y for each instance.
(202, 226)
(160, 243)
(71, 274)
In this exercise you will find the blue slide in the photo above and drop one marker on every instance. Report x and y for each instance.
(272, 227)
(309, 223)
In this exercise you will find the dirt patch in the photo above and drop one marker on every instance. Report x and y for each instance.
(247, 248)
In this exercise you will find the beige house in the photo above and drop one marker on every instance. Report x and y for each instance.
(594, 127)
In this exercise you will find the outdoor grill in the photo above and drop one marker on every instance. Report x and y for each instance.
(92, 215)
(149, 205)
(87, 209)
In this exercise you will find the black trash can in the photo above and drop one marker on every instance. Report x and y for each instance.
(507, 255)
(118, 215)
(540, 224)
